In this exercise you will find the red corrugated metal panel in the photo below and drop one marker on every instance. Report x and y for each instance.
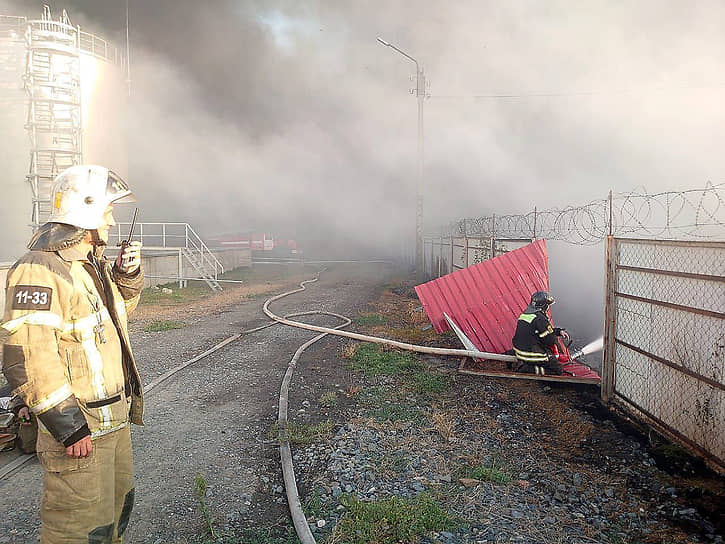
(486, 299)
(579, 370)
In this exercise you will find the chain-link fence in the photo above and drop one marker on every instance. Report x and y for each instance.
(665, 338)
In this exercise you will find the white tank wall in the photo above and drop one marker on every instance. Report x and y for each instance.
(15, 204)
(103, 110)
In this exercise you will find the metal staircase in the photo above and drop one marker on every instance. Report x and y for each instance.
(179, 237)
(52, 85)
(202, 268)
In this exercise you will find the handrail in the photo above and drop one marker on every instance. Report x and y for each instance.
(206, 254)
(85, 42)
(188, 240)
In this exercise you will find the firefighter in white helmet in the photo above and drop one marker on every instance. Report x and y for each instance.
(69, 357)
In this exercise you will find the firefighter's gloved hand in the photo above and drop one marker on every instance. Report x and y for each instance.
(24, 415)
(563, 358)
(129, 260)
(560, 331)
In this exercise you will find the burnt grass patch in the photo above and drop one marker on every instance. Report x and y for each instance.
(541, 462)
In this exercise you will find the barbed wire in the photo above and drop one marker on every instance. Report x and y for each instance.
(690, 214)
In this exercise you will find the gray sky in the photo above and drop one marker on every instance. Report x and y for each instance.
(289, 116)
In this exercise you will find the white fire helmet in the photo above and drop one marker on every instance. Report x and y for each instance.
(81, 194)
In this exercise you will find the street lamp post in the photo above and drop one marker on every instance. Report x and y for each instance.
(420, 94)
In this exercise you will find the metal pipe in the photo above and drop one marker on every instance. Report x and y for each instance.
(128, 54)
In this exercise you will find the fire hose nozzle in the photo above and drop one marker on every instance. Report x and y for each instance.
(576, 354)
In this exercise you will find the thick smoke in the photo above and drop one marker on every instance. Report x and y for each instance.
(289, 117)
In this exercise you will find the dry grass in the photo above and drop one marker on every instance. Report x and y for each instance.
(212, 303)
(568, 425)
(418, 317)
(348, 350)
(404, 323)
(444, 422)
(352, 391)
(481, 421)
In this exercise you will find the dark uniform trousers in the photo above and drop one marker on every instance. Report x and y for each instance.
(87, 500)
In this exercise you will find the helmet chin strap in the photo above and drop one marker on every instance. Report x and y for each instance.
(98, 244)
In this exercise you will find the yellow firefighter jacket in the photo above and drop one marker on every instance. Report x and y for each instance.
(69, 355)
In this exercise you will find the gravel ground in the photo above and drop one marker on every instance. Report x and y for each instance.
(574, 473)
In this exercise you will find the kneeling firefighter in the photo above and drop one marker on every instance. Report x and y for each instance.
(69, 358)
(535, 338)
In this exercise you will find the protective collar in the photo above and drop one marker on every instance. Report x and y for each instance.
(73, 253)
(55, 237)
(531, 309)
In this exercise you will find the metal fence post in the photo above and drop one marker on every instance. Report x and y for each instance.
(465, 249)
(611, 214)
(181, 270)
(450, 263)
(440, 254)
(465, 243)
(424, 261)
(610, 316)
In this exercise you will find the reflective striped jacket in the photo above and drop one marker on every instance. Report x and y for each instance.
(69, 355)
(534, 334)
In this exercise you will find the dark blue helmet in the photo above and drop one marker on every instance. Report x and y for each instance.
(541, 300)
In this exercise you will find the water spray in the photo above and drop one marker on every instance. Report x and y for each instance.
(591, 347)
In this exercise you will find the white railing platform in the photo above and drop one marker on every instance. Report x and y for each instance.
(180, 238)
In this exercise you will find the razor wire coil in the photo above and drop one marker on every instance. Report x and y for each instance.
(690, 214)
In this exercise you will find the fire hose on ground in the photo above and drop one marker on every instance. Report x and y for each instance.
(295, 506)
(298, 517)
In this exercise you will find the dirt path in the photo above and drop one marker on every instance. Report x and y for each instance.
(212, 419)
